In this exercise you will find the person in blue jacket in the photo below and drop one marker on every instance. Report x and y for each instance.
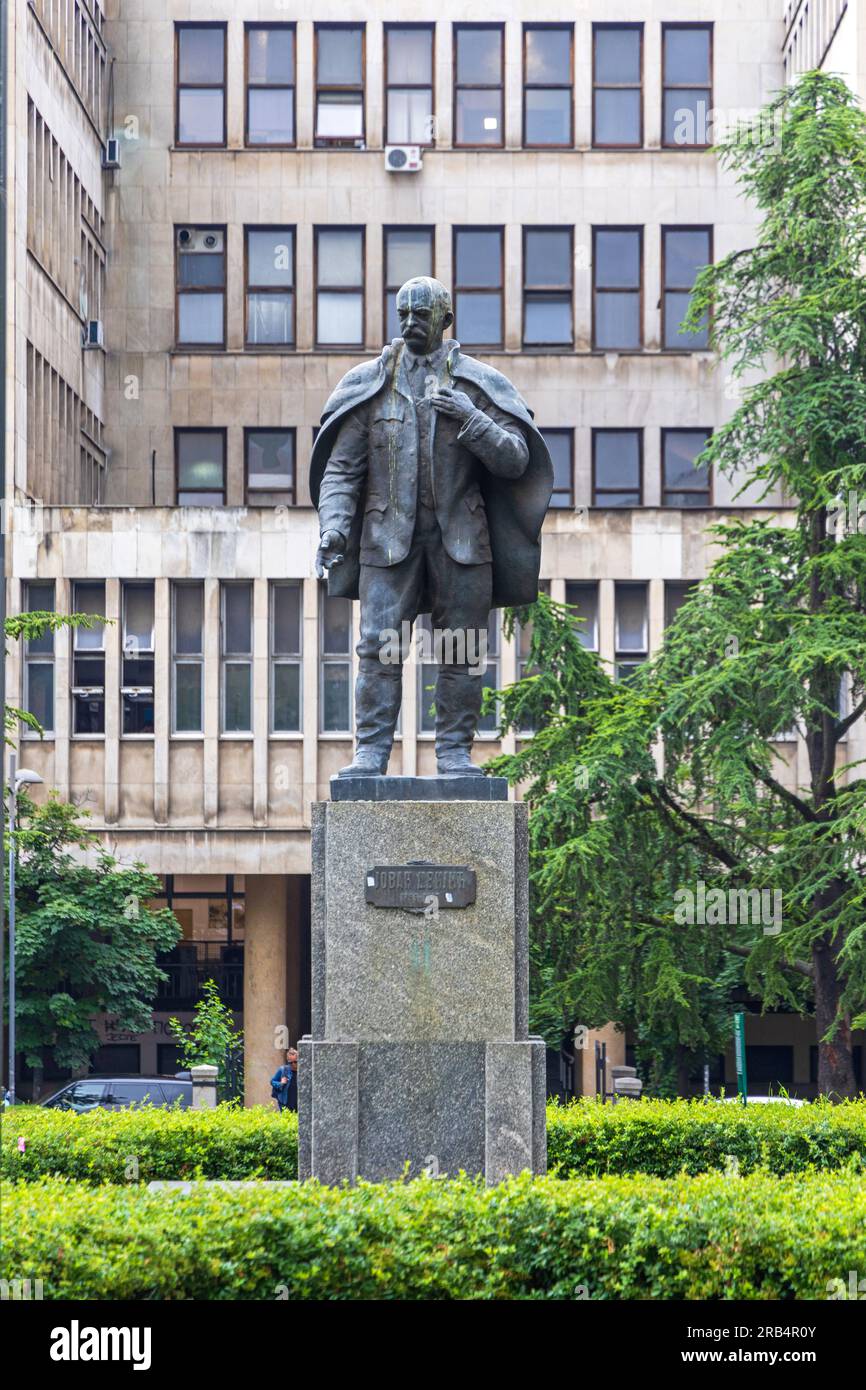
(284, 1082)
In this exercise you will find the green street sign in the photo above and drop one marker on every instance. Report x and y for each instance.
(740, 1054)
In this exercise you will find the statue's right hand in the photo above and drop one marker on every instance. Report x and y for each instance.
(330, 552)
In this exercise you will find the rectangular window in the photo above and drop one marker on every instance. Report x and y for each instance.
(684, 485)
(687, 85)
(617, 282)
(478, 277)
(617, 468)
(201, 286)
(676, 593)
(270, 259)
(270, 467)
(137, 662)
(335, 651)
(339, 286)
(489, 723)
(200, 113)
(39, 659)
(187, 658)
(560, 443)
(408, 252)
(685, 251)
(583, 598)
(271, 84)
(340, 84)
(200, 462)
(631, 638)
(409, 84)
(236, 656)
(617, 94)
(479, 79)
(285, 656)
(547, 287)
(548, 77)
(88, 661)
(523, 637)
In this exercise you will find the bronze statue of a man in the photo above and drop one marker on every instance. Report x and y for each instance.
(431, 483)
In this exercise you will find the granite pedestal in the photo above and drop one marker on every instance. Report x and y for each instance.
(419, 1056)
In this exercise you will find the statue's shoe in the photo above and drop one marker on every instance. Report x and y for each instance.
(457, 764)
(365, 765)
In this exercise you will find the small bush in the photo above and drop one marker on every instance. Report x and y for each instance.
(664, 1138)
(710, 1237)
(149, 1143)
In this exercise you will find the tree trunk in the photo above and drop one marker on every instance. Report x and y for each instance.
(835, 1059)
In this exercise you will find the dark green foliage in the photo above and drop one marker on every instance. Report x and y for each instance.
(709, 1237)
(620, 827)
(86, 939)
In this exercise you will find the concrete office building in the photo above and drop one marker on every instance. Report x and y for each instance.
(206, 233)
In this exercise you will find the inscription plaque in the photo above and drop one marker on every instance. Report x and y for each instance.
(419, 886)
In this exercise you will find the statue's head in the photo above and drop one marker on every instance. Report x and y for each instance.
(424, 312)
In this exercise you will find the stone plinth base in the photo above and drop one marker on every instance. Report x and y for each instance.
(419, 788)
(419, 1056)
(379, 1110)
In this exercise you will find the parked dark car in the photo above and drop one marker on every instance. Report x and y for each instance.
(121, 1093)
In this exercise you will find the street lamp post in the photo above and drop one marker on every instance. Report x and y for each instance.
(17, 779)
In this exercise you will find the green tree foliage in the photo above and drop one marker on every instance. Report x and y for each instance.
(212, 1036)
(86, 939)
(645, 788)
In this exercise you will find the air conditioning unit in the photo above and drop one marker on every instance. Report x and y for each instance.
(94, 334)
(204, 240)
(111, 154)
(403, 159)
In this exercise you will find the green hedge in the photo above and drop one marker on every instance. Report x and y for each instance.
(142, 1145)
(669, 1137)
(710, 1237)
(661, 1138)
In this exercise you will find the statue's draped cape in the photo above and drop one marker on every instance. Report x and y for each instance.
(515, 507)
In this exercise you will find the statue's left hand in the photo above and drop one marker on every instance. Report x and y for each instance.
(454, 403)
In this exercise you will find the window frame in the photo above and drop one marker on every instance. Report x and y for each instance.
(39, 659)
(292, 492)
(179, 26)
(568, 432)
(245, 659)
(330, 142)
(249, 26)
(667, 227)
(617, 429)
(709, 489)
(281, 659)
(388, 227)
(186, 659)
(630, 656)
(339, 289)
(593, 585)
(568, 144)
(641, 287)
(499, 290)
(334, 659)
(250, 289)
(182, 345)
(410, 86)
(619, 86)
(684, 86)
(540, 291)
(458, 87)
(198, 429)
(98, 651)
(145, 652)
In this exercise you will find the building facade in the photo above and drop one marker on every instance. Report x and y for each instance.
(213, 207)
